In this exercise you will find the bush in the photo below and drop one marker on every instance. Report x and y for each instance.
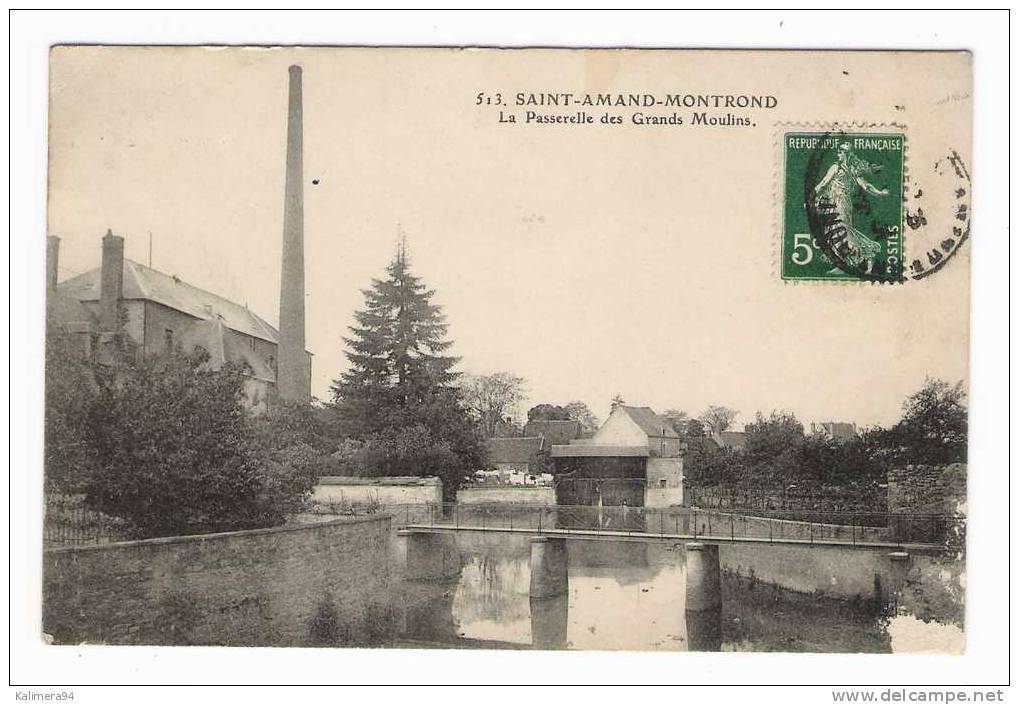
(412, 451)
(175, 452)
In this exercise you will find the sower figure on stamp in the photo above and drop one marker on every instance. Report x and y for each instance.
(836, 191)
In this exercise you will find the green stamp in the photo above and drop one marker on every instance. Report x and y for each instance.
(842, 206)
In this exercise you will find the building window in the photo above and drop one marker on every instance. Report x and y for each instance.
(663, 483)
(251, 343)
(168, 338)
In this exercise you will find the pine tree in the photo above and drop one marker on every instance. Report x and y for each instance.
(398, 409)
(399, 339)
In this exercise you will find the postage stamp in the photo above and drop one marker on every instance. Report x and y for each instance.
(843, 206)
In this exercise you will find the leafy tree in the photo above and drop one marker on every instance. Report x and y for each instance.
(677, 419)
(724, 467)
(718, 419)
(412, 450)
(548, 412)
(694, 428)
(69, 392)
(580, 412)
(618, 400)
(400, 379)
(288, 424)
(491, 397)
(774, 447)
(174, 451)
(934, 426)
(847, 463)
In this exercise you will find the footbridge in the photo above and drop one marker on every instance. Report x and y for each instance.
(918, 533)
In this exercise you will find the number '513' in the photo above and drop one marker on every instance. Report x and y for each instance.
(486, 99)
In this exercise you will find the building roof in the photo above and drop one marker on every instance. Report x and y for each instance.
(213, 336)
(731, 439)
(839, 430)
(650, 423)
(590, 450)
(513, 450)
(554, 431)
(141, 282)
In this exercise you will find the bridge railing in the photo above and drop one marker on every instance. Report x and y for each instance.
(848, 527)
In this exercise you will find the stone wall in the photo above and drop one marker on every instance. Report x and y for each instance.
(843, 573)
(661, 497)
(543, 496)
(322, 584)
(928, 489)
(387, 491)
(664, 482)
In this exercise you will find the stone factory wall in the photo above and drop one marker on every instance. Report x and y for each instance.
(321, 584)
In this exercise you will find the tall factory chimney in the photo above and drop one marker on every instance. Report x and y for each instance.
(293, 378)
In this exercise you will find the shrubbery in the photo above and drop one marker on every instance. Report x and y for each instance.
(166, 444)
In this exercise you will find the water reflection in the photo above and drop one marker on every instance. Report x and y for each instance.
(704, 630)
(549, 620)
(622, 595)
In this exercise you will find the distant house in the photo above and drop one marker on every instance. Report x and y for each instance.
(635, 459)
(730, 440)
(511, 456)
(836, 430)
(640, 425)
(553, 432)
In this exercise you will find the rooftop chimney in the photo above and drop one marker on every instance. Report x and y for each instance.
(111, 283)
(52, 258)
(292, 377)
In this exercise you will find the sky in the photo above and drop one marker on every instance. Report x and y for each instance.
(591, 261)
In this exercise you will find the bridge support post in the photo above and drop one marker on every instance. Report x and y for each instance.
(703, 598)
(897, 569)
(428, 556)
(549, 567)
(703, 577)
(549, 617)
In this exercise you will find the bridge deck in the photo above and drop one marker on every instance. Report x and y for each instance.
(607, 535)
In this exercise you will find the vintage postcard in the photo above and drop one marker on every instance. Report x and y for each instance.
(459, 348)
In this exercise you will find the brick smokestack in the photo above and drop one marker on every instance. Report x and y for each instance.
(111, 283)
(52, 260)
(292, 375)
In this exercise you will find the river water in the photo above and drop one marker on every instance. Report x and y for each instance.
(631, 596)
